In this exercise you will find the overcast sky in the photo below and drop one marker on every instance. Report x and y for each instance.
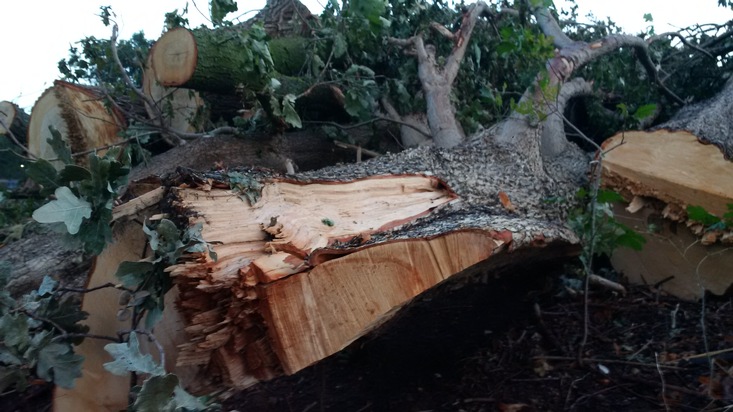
(37, 34)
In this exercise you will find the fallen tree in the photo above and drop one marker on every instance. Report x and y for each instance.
(305, 263)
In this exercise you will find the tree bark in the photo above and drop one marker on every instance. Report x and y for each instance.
(215, 60)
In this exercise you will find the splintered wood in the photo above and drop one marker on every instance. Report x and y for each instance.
(269, 305)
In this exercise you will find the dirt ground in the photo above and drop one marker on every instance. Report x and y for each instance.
(483, 347)
(511, 344)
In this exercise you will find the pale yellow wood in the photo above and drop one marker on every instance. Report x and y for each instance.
(176, 52)
(672, 250)
(97, 389)
(7, 115)
(671, 166)
(79, 114)
(314, 314)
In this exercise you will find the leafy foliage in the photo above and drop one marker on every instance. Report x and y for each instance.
(709, 220)
(84, 195)
(598, 230)
(159, 392)
(146, 280)
(33, 328)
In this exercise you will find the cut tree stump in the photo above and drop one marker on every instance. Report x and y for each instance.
(660, 173)
(80, 114)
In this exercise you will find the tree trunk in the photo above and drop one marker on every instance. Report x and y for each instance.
(80, 114)
(682, 163)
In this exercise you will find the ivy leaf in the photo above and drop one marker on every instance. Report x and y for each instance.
(59, 146)
(156, 394)
(128, 358)
(59, 364)
(291, 116)
(67, 208)
(699, 214)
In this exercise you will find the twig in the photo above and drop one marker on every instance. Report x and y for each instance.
(113, 47)
(612, 361)
(357, 148)
(366, 122)
(16, 141)
(661, 377)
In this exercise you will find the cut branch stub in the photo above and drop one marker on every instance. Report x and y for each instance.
(14, 118)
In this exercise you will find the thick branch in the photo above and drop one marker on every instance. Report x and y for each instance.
(453, 63)
(549, 26)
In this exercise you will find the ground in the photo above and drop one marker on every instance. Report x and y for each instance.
(479, 345)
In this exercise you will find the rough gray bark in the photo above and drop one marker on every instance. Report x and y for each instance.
(711, 121)
(40, 253)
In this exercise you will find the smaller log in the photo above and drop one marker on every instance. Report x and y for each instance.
(217, 60)
(182, 110)
(80, 114)
(15, 118)
(660, 173)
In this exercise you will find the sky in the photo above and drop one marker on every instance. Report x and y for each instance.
(37, 34)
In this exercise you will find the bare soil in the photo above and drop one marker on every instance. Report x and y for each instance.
(512, 344)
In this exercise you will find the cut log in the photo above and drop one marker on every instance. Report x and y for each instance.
(15, 119)
(213, 60)
(81, 116)
(183, 110)
(661, 173)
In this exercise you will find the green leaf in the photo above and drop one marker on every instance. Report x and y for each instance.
(59, 364)
(128, 358)
(631, 239)
(339, 45)
(67, 208)
(699, 214)
(156, 394)
(608, 196)
(187, 401)
(220, 8)
(291, 116)
(15, 331)
(648, 17)
(44, 174)
(132, 274)
(645, 111)
(74, 173)
(47, 286)
(59, 146)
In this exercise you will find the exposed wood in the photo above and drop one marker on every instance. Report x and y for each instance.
(672, 257)
(661, 173)
(315, 264)
(97, 389)
(670, 166)
(81, 116)
(15, 118)
(183, 110)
